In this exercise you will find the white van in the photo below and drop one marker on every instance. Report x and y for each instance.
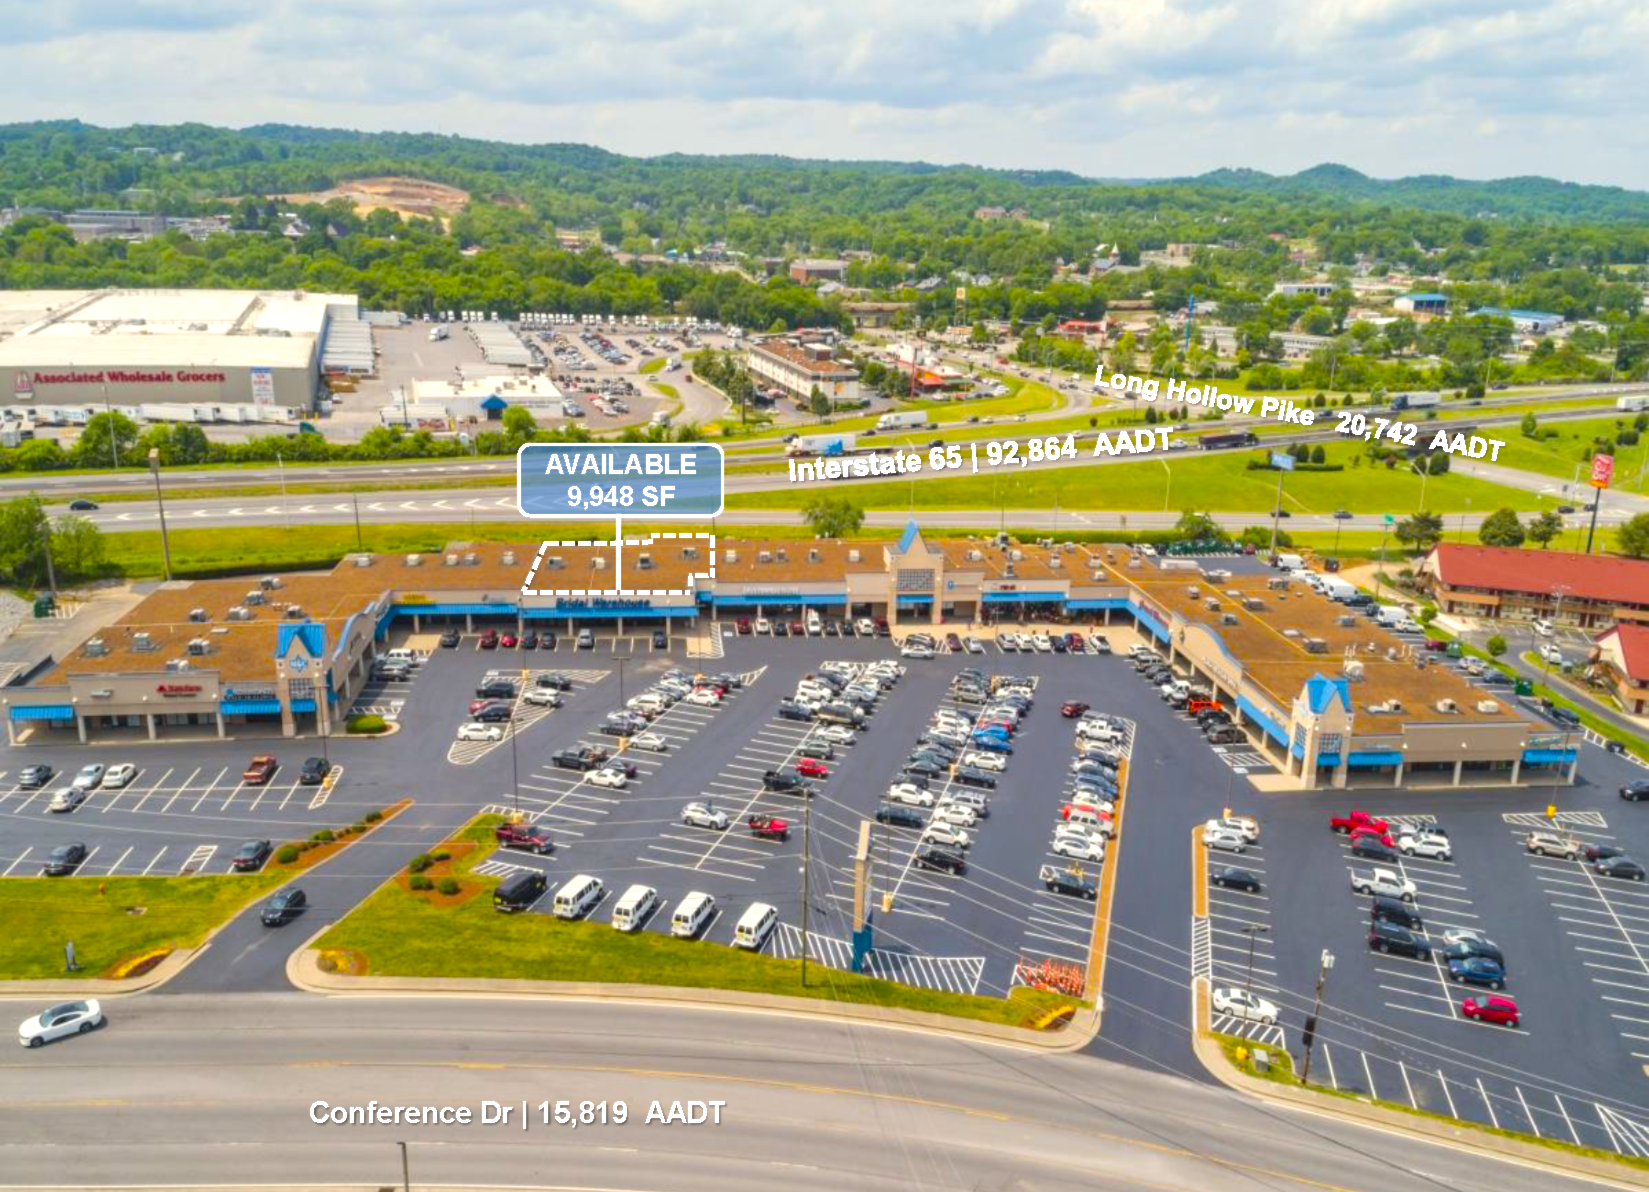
(1081, 817)
(693, 914)
(814, 625)
(632, 910)
(754, 926)
(1543, 628)
(1290, 563)
(578, 897)
(399, 654)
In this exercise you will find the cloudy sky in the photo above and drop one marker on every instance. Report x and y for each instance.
(1130, 88)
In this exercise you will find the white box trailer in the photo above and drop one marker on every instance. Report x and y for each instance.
(161, 411)
(1636, 401)
(903, 420)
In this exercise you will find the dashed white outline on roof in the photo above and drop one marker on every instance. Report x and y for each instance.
(528, 590)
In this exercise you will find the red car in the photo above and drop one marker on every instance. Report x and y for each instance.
(1078, 805)
(797, 629)
(1072, 708)
(508, 641)
(954, 643)
(260, 769)
(1365, 831)
(744, 626)
(812, 767)
(489, 640)
(1501, 1011)
(1352, 820)
(1074, 643)
(768, 828)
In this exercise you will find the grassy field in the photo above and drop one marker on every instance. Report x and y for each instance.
(402, 934)
(653, 365)
(1557, 453)
(668, 390)
(1192, 480)
(43, 913)
(1023, 397)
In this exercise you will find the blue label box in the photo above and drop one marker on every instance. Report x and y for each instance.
(588, 481)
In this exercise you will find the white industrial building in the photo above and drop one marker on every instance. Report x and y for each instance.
(65, 354)
(432, 404)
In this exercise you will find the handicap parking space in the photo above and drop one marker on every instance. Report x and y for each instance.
(524, 713)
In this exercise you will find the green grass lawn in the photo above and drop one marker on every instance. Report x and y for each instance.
(1557, 452)
(1189, 480)
(668, 390)
(41, 914)
(653, 365)
(401, 934)
(1023, 397)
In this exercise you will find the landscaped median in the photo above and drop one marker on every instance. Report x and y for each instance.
(1269, 1072)
(448, 936)
(124, 929)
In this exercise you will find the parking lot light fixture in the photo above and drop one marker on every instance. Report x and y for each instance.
(1324, 966)
(160, 504)
(1252, 930)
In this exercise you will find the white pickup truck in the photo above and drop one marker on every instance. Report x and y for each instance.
(1385, 882)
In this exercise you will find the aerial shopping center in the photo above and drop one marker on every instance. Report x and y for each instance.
(1331, 700)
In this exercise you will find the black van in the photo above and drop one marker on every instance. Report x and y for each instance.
(1392, 910)
(520, 891)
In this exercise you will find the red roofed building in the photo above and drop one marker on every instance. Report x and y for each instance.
(1624, 653)
(1508, 583)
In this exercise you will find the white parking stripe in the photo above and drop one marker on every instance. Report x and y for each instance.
(20, 859)
(153, 861)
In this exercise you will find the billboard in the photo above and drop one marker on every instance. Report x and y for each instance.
(1603, 470)
(263, 386)
(1282, 461)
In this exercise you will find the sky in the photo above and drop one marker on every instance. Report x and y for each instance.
(1105, 88)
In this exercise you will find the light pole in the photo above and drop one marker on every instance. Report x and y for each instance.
(109, 420)
(807, 868)
(1167, 485)
(1252, 931)
(406, 1174)
(1463, 516)
(1310, 1034)
(515, 769)
(357, 499)
(160, 503)
(286, 514)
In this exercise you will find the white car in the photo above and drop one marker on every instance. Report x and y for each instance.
(1239, 1003)
(651, 742)
(119, 776)
(1552, 655)
(542, 697)
(1422, 844)
(1224, 839)
(763, 625)
(915, 650)
(1007, 642)
(1245, 826)
(865, 627)
(994, 762)
(910, 794)
(67, 799)
(836, 734)
(1080, 846)
(1465, 935)
(1041, 642)
(69, 1018)
(702, 815)
(1023, 641)
(480, 732)
(946, 834)
(973, 645)
(958, 814)
(89, 776)
(704, 697)
(614, 779)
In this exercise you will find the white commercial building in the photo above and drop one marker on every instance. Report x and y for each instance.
(201, 349)
(473, 399)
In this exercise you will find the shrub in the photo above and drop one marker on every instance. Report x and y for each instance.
(366, 724)
(358, 826)
(304, 846)
(324, 836)
(440, 854)
(421, 883)
(447, 886)
(286, 854)
(1496, 646)
(419, 863)
(373, 817)
(327, 964)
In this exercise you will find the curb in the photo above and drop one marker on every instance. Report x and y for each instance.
(1364, 1113)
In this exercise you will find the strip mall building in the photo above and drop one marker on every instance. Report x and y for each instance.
(1329, 699)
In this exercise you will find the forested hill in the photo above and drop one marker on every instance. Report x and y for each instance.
(1528, 197)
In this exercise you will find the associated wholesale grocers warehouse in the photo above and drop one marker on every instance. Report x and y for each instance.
(65, 354)
(1332, 701)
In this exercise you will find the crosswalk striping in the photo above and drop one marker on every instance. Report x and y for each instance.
(954, 974)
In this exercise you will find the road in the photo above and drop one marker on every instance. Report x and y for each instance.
(184, 1090)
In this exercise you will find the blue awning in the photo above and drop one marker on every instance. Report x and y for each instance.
(916, 600)
(609, 614)
(250, 707)
(1157, 628)
(438, 610)
(1113, 602)
(1272, 728)
(778, 598)
(1375, 757)
(1548, 757)
(44, 712)
(1327, 761)
(1021, 597)
(300, 705)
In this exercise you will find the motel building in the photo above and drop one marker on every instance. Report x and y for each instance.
(1327, 699)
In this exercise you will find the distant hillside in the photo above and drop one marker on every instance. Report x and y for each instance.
(1528, 197)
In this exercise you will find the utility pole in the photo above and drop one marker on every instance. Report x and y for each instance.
(406, 1175)
(807, 857)
(357, 499)
(160, 503)
(1310, 1033)
(1597, 505)
(1251, 931)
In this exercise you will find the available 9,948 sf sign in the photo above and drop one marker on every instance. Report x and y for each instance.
(652, 480)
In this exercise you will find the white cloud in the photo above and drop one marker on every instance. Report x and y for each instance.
(1479, 88)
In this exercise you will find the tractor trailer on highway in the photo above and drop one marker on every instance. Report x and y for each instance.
(904, 420)
(837, 444)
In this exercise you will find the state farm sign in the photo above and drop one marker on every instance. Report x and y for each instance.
(123, 376)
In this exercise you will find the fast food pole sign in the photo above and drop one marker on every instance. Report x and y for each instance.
(1603, 470)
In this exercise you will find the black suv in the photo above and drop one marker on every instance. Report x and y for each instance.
(900, 816)
(789, 709)
(970, 776)
(1634, 792)
(450, 639)
(496, 689)
(314, 771)
(555, 681)
(782, 780)
(284, 907)
(1466, 949)
(942, 859)
(582, 758)
(1388, 937)
(1370, 848)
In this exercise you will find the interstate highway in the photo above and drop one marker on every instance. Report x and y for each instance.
(183, 1090)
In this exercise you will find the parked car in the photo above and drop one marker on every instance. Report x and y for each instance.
(89, 776)
(909, 793)
(1390, 938)
(1477, 970)
(900, 815)
(767, 827)
(1501, 1011)
(1224, 840)
(67, 799)
(944, 860)
(34, 777)
(1620, 867)
(1072, 882)
(705, 815)
(118, 777)
(1240, 1003)
(314, 771)
(1231, 878)
(450, 639)
(260, 769)
(474, 730)
(1072, 708)
(528, 838)
(64, 859)
(249, 858)
(489, 639)
(1635, 792)
(284, 907)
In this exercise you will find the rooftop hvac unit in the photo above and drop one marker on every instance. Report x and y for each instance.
(198, 614)
(599, 562)
(1008, 571)
(271, 581)
(1098, 576)
(852, 556)
(142, 641)
(1194, 592)
(1446, 705)
(1016, 555)
(363, 560)
(644, 562)
(781, 555)
(1291, 632)
(96, 647)
(507, 558)
(1487, 706)
(556, 563)
(764, 556)
(471, 559)
(294, 612)
(1316, 645)
(813, 555)
(239, 613)
(1354, 671)
(219, 629)
(1228, 618)
(1390, 706)
(1254, 605)
(452, 560)
(689, 552)
(175, 665)
(199, 645)
(732, 556)
(1211, 604)
(414, 560)
(976, 556)
(255, 596)
(1347, 622)
(1055, 563)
